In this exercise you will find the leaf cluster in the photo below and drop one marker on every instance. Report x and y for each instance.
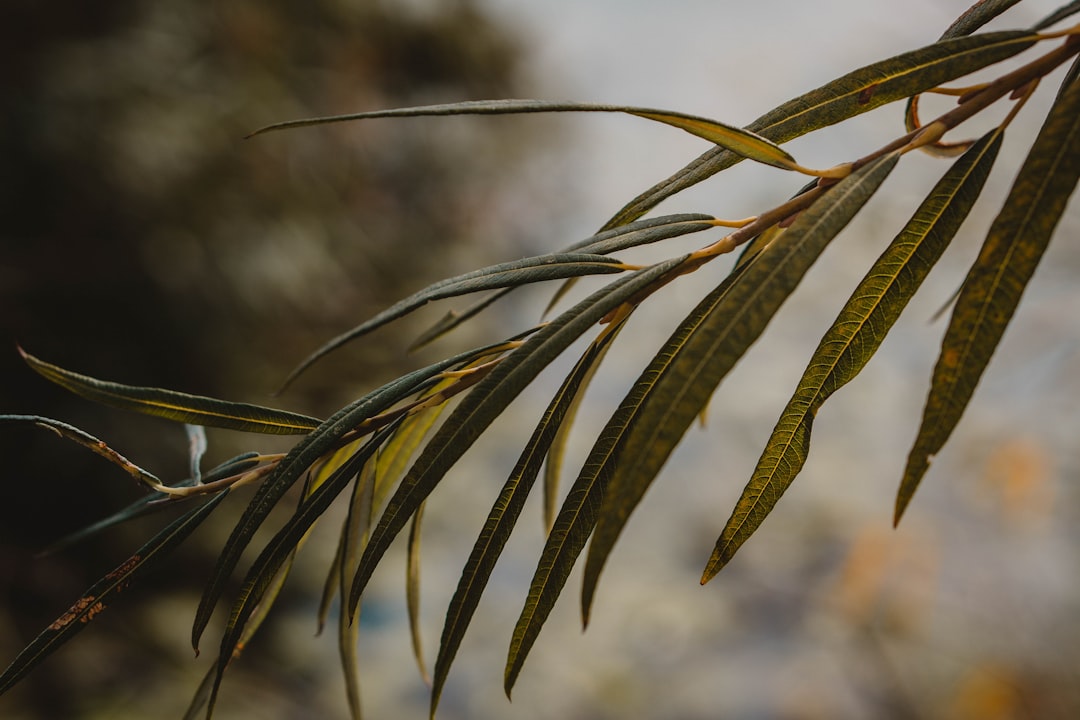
(390, 448)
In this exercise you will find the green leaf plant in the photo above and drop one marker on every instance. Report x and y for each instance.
(437, 412)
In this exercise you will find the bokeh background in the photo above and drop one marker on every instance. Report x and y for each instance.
(144, 241)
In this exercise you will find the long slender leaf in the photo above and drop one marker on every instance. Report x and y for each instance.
(976, 16)
(856, 335)
(673, 392)
(737, 140)
(281, 547)
(488, 399)
(641, 232)
(453, 318)
(102, 593)
(156, 502)
(674, 389)
(864, 89)
(512, 274)
(202, 693)
(1070, 76)
(354, 538)
(330, 585)
(992, 289)
(505, 512)
(554, 457)
(1063, 12)
(322, 471)
(353, 535)
(299, 459)
(181, 407)
(412, 592)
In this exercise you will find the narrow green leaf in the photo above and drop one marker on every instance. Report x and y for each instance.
(485, 402)
(453, 318)
(641, 232)
(644, 232)
(412, 592)
(737, 140)
(330, 586)
(995, 282)
(675, 389)
(280, 548)
(627, 236)
(259, 614)
(505, 512)
(353, 535)
(1070, 76)
(855, 336)
(302, 456)
(671, 392)
(202, 693)
(94, 600)
(864, 89)
(554, 458)
(511, 274)
(354, 538)
(156, 502)
(1063, 12)
(181, 407)
(677, 385)
(976, 16)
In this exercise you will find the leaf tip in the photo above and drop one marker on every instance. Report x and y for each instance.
(586, 603)
(901, 506)
(913, 475)
(436, 694)
(713, 567)
(513, 667)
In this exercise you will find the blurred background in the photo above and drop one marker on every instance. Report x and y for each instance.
(144, 241)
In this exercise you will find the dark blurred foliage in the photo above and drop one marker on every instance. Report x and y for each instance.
(144, 241)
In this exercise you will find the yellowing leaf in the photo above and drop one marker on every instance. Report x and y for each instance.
(739, 141)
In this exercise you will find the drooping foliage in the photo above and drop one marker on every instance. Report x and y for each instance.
(365, 451)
